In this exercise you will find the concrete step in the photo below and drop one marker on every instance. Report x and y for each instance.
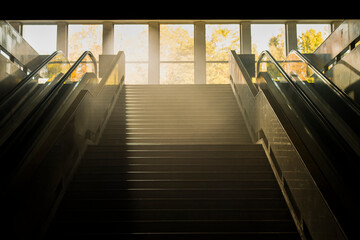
(207, 226)
(183, 175)
(181, 236)
(120, 160)
(174, 193)
(220, 154)
(174, 162)
(178, 184)
(174, 203)
(231, 147)
(171, 167)
(176, 214)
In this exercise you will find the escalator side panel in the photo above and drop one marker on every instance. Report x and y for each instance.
(14, 43)
(346, 74)
(287, 153)
(58, 134)
(23, 97)
(340, 39)
(341, 112)
(10, 76)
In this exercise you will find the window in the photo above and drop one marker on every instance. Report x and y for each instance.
(269, 37)
(133, 39)
(176, 54)
(41, 37)
(84, 38)
(220, 40)
(310, 36)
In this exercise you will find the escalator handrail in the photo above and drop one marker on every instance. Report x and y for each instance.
(78, 61)
(337, 137)
(286, 77)
(9, 146)
(65, 77)
(47, 98)
(320, 159)
(329, 83)
(79, 85)
(28, 78)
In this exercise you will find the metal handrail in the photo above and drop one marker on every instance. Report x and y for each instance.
(336, 138)
(76, 64)
(28, 78)
(289, 80)
(44, 101)
(55, 132)
(329, 83)
(329, 127)
(272, 60)
(9, 146)
(15, 107)
(331, 162)
(61, 82)
(344, 116)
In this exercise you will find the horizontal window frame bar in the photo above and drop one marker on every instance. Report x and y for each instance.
(177, 62)
(214, 61)
(142, 62)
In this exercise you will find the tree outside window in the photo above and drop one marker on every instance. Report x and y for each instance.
(177, 54)
(310, 36)
(84, 38)
(220, 40)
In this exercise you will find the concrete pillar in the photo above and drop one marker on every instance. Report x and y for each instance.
(200, 53)
(108, 38)
(62, 38)
(245, 38)
(154, 53)
(290, 37)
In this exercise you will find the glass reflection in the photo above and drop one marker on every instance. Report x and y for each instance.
(265, 65)
(298, 69)
(86, 65)
(59, 64)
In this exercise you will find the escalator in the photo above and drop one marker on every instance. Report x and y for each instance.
(17, 59)
(334, 103)
(338, 58)
(48, 120)
(16, 104)
(319, 137)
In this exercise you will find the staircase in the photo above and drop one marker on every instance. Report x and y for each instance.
(174, 162)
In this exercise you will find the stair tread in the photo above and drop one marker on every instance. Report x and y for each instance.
(174, 162)
(185, 236)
